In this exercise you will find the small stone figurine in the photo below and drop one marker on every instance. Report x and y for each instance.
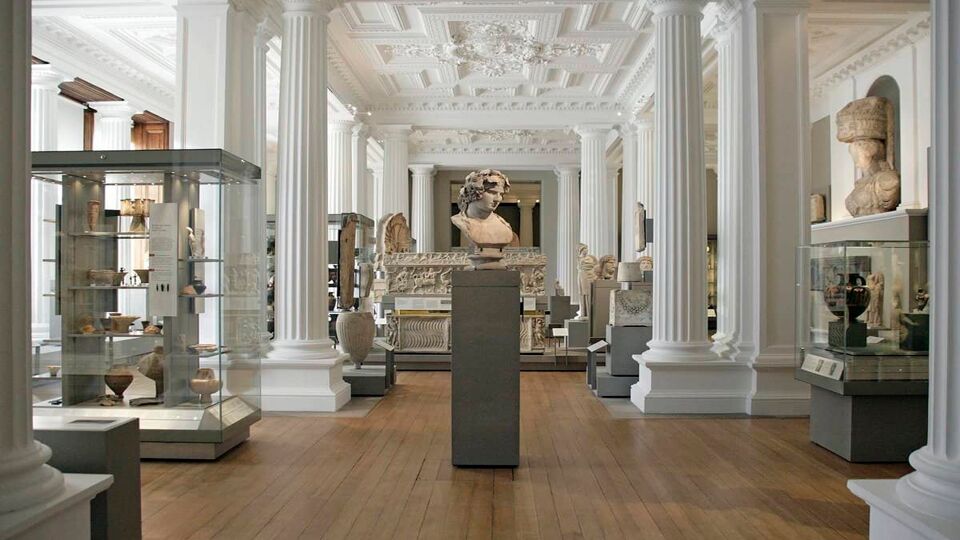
(558, 289)
(195, 242)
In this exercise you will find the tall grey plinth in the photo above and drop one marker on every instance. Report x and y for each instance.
(485, 365)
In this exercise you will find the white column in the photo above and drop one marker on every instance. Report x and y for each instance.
(645, 165)
(340, 166)
(926, 503)
(395, 193)
(360, 174)
(421, 215)
(629, 193)
(216, 66)
(114, 120)
(568, 227)
(376, 198)
(730, 181)
(25, 479)
(771, 204)
(303, 372)
(679, 373)
(598, 215)
(45, 81)
(261, 46)
(526, 222)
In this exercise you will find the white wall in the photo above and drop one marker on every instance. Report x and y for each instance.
(910, 67)
(69, 124)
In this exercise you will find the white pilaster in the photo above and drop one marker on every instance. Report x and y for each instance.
(25, 479)
(360, 172)
(598, 214)
(340, 166)
(303, 372)
(629, 191)
(216, 55)
(395, 193)
(422, 213)
(568, 227)
(376, 198)
(926, 503)
(526, 222)
(114, 120)
(772, 204)
(645, 165)
(261, 46)
(679, 373)
(45, 81)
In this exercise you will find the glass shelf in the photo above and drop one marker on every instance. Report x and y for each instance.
(107, 287)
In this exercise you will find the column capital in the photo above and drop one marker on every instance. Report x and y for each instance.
(361, 130)
(628, 130)
(644, 122)
(394, 132)
(308, 7)
(341, 125)
(46, 77)
(593, 130)
(527, 203)
(566, 170)
(266, 30)
(676, 7)
(114, 109)
(423, 169)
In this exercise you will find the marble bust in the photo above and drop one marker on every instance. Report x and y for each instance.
(481, 194)
(867, 125)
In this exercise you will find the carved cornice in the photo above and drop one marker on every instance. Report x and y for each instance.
(912, 31)
(632, 92)
(427, 105)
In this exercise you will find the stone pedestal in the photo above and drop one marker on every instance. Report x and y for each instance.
(559, 308)
(485, 402)
(578, 333)
(626, 341)
(600, 306)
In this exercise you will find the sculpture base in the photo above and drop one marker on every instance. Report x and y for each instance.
(487, 258)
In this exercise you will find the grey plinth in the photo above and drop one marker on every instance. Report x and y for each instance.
(559, 308)
(600, 308)
(100, 446)
(578, 332)
(485, 365)
(624, 342)
(608, 385)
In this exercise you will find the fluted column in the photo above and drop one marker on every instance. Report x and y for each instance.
(926, 503)
(303, 371)
(395, 195)
(645, 165)
(629, 193)
(730, 182)
(568, 226)
(361, 178)
(598, 214)
(340, 166)
(421, 215)
(25, 479)
(526, 222)
(376, 198)
(114, 120)
(45, 81)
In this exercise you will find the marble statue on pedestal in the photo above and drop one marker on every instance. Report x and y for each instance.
(867, 125)
(480, 196)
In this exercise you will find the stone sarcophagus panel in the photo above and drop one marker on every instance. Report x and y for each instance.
(419, 333)
(430, 273)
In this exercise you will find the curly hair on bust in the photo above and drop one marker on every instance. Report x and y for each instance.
(476, 183)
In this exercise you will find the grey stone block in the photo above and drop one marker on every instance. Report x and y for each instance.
(578, 332)
(485, 365)
(613, 385)
(366, 381)
(624, 342)
(600, 308)
(559, 308)
(100, 446)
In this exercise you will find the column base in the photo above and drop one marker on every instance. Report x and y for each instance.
(65, 516)
(705, 386)
(774, 389)
(303, 377)
(892, 519)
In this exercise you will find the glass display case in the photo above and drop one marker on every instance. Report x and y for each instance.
(160, 289)
(863, 312)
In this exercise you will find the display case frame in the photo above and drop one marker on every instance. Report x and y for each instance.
(198, 293)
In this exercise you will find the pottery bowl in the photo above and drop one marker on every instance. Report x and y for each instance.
(102, 278)
(121, 323)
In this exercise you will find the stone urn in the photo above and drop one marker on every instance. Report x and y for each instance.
(205, 383)
(850, 299)
(118, 379)
(355, 331)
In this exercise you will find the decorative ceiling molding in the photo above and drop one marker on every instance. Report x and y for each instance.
(496, 48)
(908, 33)
(493, 141)
(511, 105)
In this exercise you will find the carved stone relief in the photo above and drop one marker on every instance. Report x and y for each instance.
(633, 307)
(430, 273)
(419, 333)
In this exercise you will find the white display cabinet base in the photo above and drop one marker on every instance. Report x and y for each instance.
(303, 385)
(64, 516)
(891, 519)
(691, 387)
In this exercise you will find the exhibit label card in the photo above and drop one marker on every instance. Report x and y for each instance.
(825, 367)
(598, 346)
(164, 247)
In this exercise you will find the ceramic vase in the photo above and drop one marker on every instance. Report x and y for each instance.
(848, 299)
(151, 366)
(118, 379)
(355, 332)
(93, 215)
(205, 383)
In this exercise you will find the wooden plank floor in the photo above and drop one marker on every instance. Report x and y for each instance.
(583, 474)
